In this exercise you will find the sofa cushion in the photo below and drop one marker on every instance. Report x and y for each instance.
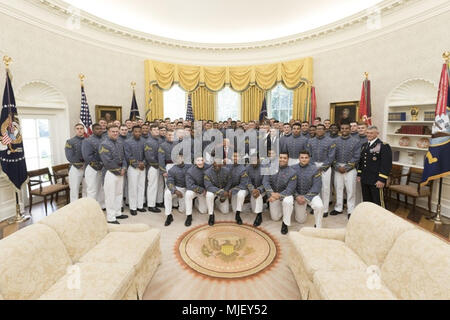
(372, 230)
(31, 261)
(80, 225)
(350, 285)
(418, 267)
(324, 254)
(124, 247)
(92, 281)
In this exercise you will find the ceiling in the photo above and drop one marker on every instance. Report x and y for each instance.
(222, 21)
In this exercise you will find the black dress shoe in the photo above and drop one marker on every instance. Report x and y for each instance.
(133, 212)
(284, 228)
(238, 218)
(325, 214)
(211, 220)
(114, 222)
(160, 205)
(123, 216)
(104, 209)
(168, 220)
(154, 209)
(188, 221)
(258, 220)
(141, 210)
(335, 213)
(348, 216)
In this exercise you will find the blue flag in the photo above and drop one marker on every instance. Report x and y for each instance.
(189, 112)
(12, 156)
(134, 112)
(263, 112)
(437, 159)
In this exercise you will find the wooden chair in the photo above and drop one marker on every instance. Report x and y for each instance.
(414, 176)
(61, 171)
(44, 191)
(394, 179)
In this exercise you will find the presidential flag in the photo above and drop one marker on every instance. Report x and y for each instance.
(189, 112)
(85, 115)
(263, 112)
(134, 112)
(12, 156)
(437, 159)
(365, 105)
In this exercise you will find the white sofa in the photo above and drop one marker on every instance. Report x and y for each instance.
(378, 256)
(75, 254)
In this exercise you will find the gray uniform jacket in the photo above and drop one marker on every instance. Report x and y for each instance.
(347, 152)
(283, 182)
(177, 177)
(323, 150)
(134, 151)
(195, 179)
(112, 154)
(239, 178)
(73, 152)
(89, 150)
(255, 179)
(219, 181)
(164, 154)
(309, 181)
(293, 145)
(151, 147)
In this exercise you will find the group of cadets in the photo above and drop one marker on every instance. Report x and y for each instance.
(133, 164)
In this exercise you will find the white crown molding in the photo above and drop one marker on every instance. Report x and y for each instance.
(394, 15)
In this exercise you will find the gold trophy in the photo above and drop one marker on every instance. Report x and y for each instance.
(414, 113)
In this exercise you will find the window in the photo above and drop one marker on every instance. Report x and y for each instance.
(36, 143)
(280, 103)
(228, 104)
(175, 103)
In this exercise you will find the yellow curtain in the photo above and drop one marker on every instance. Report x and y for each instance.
(155, 103)
(300, 109)
(251, 101)
(204, 104)
(294, 74)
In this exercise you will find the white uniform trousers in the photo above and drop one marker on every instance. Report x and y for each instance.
(326, 189)
(283, 209)
(175, 200)
(94, 185)
(136, 188)
(152, 187)
(168, 196)
(224, 207)
(358, 193)
(257, 204)
(316, 204)
(292, 162)
(348, 180)
(113, 195)
(237, 200)
(75, 179)
(201, 202)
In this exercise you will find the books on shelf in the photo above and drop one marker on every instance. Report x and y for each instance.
(410, 129)
(397, 116)
(429, 116)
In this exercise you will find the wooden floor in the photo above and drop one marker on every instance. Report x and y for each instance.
(418, 216)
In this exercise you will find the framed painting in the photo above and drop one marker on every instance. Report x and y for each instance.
(109, 113)
(344, 111)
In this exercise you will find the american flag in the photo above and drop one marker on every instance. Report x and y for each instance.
(6, 139)
(189, 112)
(85, 115)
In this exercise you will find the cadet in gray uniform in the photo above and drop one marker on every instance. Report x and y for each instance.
(280, 188)
(134, 155)
(112, 155)
(347, 157)
(74, 156)
(123, 136)
(218, 184)
(256, 189)
(176, 188)
(151, 148)
(308, 188)
(239, 183)
(195, 186)
(295, 143)
(94, 165)
(322, 150)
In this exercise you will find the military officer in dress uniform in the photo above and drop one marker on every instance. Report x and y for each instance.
(256, 189)
(134, 155)
(308, 188)
(195, 185)
(151, 148)
(94, 165)
(322, 150)
(362, 136)
(218, 184)
(74, 156)
(239, 182)
(176, 188)
(374, 167)
(280, 188)
(295, 143)
(112, 155)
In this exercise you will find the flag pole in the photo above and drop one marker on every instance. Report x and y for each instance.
(19, 217)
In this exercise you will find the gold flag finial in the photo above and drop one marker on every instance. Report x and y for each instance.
(7, 61)
(446, 56)
(81, 76)
(366, 74)
(133, 84)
